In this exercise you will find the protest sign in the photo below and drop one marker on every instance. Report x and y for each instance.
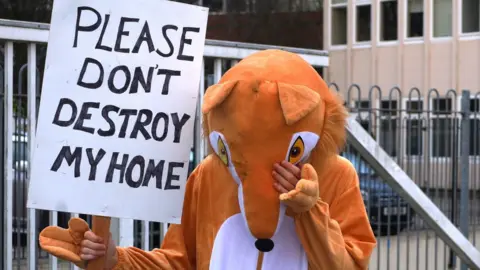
(117, 110)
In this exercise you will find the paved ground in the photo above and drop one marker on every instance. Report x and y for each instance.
(416, 250)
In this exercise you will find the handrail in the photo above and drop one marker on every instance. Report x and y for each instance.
(38, 33)
(389, 171)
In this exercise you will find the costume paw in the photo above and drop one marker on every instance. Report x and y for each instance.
(65, 243)
(306, 194)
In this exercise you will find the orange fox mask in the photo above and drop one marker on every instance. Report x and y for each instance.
(270, 107)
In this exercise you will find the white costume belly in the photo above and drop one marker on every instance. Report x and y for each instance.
(234, 248)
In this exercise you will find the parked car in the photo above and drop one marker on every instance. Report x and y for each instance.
(388, 212)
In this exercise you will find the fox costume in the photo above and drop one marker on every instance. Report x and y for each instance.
(272, 106)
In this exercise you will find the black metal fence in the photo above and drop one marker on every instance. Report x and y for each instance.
(434, 136)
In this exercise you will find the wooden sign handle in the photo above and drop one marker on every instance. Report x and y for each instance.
(101, 227)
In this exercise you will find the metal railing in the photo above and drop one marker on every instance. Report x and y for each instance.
(435, 140)
(408, 238)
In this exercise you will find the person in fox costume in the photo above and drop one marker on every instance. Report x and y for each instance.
(274, 193)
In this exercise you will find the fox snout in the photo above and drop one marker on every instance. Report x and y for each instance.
(262, 209)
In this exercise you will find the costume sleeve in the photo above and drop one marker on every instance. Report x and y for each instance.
(339, 236)
(178, 248)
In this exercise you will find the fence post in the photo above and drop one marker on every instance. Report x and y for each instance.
(456, 157)
(8, 158)
(126, 234)
(465, 166)
(115, 230)
(32, 112)
(2, 146)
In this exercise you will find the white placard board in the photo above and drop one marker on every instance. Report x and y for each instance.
(116, 117)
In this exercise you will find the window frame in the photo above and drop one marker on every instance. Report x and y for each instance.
(431, 24)
(381, 42)
(453, 115)
(413, 40)
(406, 116)
(378, 122)
(475, 116)
(221, 12)
(360, 3)
(364, 114)
(330, 23)
(462, 35)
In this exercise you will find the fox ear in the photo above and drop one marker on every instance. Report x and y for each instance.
(216, 94)
(296, 101)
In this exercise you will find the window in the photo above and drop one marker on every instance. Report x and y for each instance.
(214, 5)
(388, 20)
(319, 70)
(339, 22)
(388, 108)
(415, 18)
(363, 22)
(388, 135)
(298, 5)
(414, 128)
(474, 127)
(389, 126)
(238, 6)
(362, 105)
(475, 137)
(414, 137)
(442, 18)
(366, 124)
(362, 109)
(414, 106)
(475, 105)
(442, 106)
(444, 128)
(445, 135)
(470, 16)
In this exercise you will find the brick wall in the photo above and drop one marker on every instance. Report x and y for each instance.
(301, 29)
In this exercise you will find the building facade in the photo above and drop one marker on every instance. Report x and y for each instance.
(402, 66)
(405, 43)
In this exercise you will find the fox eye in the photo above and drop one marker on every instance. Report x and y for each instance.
(220, 146)
(301, 146)
(296, 151)
(222, 151)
